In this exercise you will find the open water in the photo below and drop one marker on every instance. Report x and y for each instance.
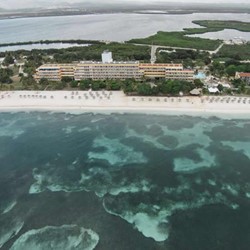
(123, 181)
(112, 27)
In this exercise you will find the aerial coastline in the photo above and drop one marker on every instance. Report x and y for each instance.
(124, 124)
(117, 101)
(163, 9)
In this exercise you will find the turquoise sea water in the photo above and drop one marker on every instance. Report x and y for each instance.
(123, 181)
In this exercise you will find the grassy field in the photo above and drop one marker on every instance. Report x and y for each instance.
(178, 39)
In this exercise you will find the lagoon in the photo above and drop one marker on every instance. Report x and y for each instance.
(40, 46)
(226, 34)
(113, 27)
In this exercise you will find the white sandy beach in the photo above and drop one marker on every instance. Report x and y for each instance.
(118, 101)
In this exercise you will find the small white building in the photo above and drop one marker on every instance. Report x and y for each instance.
(1, 60)
(107, 57)
(213, 90)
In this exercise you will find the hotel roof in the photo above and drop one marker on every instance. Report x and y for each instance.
(244, 74)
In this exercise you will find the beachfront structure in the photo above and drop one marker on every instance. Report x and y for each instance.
(109, 69)
(168, 71)
(55, 72)
(243, 76)
(112, 70)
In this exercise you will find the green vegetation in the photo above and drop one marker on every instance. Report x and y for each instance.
(5, 75)
(126, 52)
(189, 58)
(33, 61)
(35, 58)
(165, 87)
(241, 87)
(178, 39)
(52, 41)
(133, 87)
(8, 59)
(229, 68)
(237, 52)
(213, 25)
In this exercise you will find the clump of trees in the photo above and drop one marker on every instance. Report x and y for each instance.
(121, 52)
(129, 86)
(233, 66)
(9, 59)
(229, 68)
(34, 60)
(189, 58)
(5, 76)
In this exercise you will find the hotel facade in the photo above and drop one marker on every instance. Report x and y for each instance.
(109, 69)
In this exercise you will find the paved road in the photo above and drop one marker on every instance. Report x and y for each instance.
(155, 47)
(153, 53)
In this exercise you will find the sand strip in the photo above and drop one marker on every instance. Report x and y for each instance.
(117, 101)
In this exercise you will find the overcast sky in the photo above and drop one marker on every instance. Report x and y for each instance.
(14, 4)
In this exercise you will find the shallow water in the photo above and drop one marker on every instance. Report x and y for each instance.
(40, 46)
(227, 34)
(123, 181)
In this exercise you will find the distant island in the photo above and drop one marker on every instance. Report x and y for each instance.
(89, 8)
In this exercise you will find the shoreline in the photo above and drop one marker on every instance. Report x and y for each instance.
(118, 102)
(13, 16)
(17, 15)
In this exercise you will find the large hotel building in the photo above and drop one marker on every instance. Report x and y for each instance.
(109, 69)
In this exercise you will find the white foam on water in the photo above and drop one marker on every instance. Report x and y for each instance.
(10, 130)
(147, 218)
(75, 161)
(235, 206)
(244, 147)
(149, 221)
(84, 178)
(116, 153)
(142, 186)
(248, 195)
(10, 206)
(183, 164)
(68, 130)
(233, 189)
(97, 120)
(84, 129)
(149, 225)
(9, 231)
(37, 187)
(211, 182)
(57, 238)
(114, 189)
